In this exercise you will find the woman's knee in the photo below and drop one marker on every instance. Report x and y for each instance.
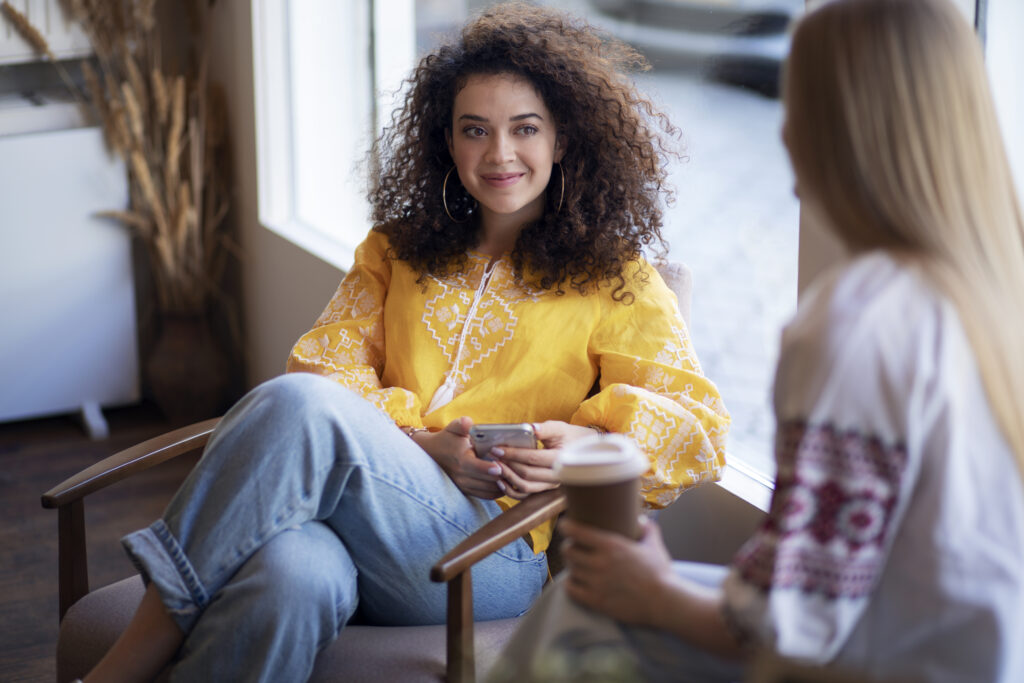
(299, 392)
(292, 404)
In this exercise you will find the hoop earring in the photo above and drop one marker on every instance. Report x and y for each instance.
(561, 195)
(444, 197)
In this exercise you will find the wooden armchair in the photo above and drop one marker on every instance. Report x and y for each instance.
(92, 621)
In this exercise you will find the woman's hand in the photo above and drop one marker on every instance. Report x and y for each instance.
(451, 449)
(634, 582)
(528, 470)
(616, 576)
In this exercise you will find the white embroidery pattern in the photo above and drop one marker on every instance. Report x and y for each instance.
(493, 323)
(359, 379)
(660, 375)
(362, 346)
(669, 434)
(715, 403)
(351, 301)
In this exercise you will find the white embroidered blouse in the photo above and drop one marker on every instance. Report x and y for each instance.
(895, 541)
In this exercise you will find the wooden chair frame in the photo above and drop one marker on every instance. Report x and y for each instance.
(68, 499)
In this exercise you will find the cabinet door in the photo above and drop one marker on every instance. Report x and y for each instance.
(67, 301)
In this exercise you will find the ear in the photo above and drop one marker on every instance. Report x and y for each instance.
(559, 148)
(448, 139)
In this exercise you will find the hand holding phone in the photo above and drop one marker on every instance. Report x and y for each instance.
(484, 437)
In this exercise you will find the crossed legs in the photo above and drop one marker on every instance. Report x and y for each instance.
(306, 501)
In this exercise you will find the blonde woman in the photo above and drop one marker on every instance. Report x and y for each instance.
(895, 541)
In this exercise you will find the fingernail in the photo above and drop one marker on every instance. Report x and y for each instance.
(501, 485)
(497, 452)
(494, 470)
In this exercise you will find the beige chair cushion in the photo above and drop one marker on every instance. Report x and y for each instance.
(361, 653)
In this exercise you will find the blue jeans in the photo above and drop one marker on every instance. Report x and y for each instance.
(307, 504)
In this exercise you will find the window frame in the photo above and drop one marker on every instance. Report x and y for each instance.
(392, 53)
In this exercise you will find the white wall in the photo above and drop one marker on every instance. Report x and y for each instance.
(284, 287)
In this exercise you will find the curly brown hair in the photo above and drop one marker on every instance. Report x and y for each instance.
(615, 161)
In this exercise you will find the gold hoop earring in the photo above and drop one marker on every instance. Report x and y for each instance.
(444, 197)
(561, 195)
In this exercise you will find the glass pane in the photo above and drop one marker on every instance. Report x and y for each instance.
(1004, 53)
(330, 125)
(735, 220)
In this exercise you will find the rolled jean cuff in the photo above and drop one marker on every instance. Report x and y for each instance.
(161, 561)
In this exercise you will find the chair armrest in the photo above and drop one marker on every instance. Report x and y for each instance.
(67, 497)
(499, 532)
(124, 463)
(452, 569)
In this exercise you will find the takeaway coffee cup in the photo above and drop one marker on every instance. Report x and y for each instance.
(601, 478)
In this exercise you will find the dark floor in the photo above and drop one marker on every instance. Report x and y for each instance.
(35, 455)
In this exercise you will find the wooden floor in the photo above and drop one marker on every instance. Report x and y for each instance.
(36, 455)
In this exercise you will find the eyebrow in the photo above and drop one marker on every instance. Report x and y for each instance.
(518, 117)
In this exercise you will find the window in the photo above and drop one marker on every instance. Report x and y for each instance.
(324, 74)
(1000, 24)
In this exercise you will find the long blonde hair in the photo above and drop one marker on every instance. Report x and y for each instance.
(892, 130)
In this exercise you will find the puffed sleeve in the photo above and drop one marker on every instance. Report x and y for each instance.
(347, 341)
(803, 579)
(801, 582)
(653, 390)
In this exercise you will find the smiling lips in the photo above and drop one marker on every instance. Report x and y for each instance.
(502, 179)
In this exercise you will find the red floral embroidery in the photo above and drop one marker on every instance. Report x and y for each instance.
(835, 493)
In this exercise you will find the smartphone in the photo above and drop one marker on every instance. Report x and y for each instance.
(486, 436)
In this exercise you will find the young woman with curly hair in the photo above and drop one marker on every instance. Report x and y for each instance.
(603, 203)
(512, 197)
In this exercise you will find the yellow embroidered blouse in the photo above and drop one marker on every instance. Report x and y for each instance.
(480, 344)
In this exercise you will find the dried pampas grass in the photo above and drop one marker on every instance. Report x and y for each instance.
(36, 40)
(170, 132)
(26, 30)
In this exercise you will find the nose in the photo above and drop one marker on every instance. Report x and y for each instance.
(500, 150)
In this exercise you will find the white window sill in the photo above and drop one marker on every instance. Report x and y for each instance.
(330, 249)
(746, 483)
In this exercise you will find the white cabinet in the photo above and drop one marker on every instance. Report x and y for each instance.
(67, 304)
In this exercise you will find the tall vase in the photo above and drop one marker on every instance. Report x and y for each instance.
(187, 372)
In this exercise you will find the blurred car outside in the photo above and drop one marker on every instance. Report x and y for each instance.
(740, 42)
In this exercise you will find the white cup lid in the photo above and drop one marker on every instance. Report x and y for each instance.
(600, 459)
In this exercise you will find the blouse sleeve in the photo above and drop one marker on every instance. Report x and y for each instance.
(653, 390)
(800, 584)
(346, 343)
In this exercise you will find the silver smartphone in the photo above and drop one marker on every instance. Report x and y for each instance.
(484, 437)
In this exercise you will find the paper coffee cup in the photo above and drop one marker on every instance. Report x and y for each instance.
(601, 477)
